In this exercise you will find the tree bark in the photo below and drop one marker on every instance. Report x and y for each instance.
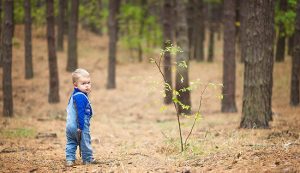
(67, 17)
(199, 31)
(13, 18)
(294, 97)
(53, 96)
(0, 33)
(7, 58)
(258, 75)
(280, 46)
(243, 28)
(141, 29)
(211, 43)
(60, 26)
(114, 6)
(219, 19)
(167, 33)
(72, 37)
(190, 17)
(228, 91)
(291, 45)
(182, 78)
(212, 30)
(28, 40)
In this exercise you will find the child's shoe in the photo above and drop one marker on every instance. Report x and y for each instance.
(93, 161)
(70, 163)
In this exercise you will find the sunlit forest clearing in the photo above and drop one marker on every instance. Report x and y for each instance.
(150, 86)
(130, 132)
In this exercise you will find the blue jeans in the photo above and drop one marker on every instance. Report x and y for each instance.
(85, 143)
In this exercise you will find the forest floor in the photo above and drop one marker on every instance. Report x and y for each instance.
(130, 130)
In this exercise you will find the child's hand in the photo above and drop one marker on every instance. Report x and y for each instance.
(79, 135)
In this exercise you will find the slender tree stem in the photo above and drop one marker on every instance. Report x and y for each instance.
(179, 126)
(176, 108)
(195, 119)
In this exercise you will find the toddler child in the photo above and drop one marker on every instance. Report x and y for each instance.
(79, 113)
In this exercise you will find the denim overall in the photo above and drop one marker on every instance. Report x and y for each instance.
(71, 132)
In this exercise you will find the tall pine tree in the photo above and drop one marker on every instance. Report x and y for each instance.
(72, 62)
(27, 41)
(167, 33)
(7, 58)
(294, 97)
(228, 101)
(114, 6)
(258, 75)
(53, 96)
(182, 77)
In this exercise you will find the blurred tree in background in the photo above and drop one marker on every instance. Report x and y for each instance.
(140, 26)
(93, 15)
(144, 26)
(285, 21)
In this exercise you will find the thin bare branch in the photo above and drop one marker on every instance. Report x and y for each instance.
(198, 112)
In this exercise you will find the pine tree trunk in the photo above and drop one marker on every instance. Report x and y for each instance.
(219, 19)
(72, 37)
(291, 45)
(114, 6)
(0, 33)
(182, 78)
(60, 26)
(280, 46)
(7, 58)
(141, 29)
(258, 75)
(13, 18)
(243, 28)
(53, 96)
(28, 42)
(294, 97)
(67, 18)
(0, 18)
(238, 29)
(228, 101)
(167, 33)
(198, 34)
(211, 43)
(190, 17)
(212, 31)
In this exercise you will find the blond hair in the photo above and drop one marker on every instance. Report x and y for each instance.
(79, 73)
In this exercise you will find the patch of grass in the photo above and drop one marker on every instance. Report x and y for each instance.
(171, 146)
(17, 133)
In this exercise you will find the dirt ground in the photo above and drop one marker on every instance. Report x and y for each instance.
(130, 132)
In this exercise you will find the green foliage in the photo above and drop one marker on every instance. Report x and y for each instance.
(182, 64)
(17, 133)
(93, 15)
(287, 18)
(38, 12)
(171, 49)
(18, 12)
(138, 28)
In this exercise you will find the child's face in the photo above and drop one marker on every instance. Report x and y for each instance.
(83, 84)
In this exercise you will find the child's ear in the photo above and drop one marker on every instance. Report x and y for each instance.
(75, 84)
